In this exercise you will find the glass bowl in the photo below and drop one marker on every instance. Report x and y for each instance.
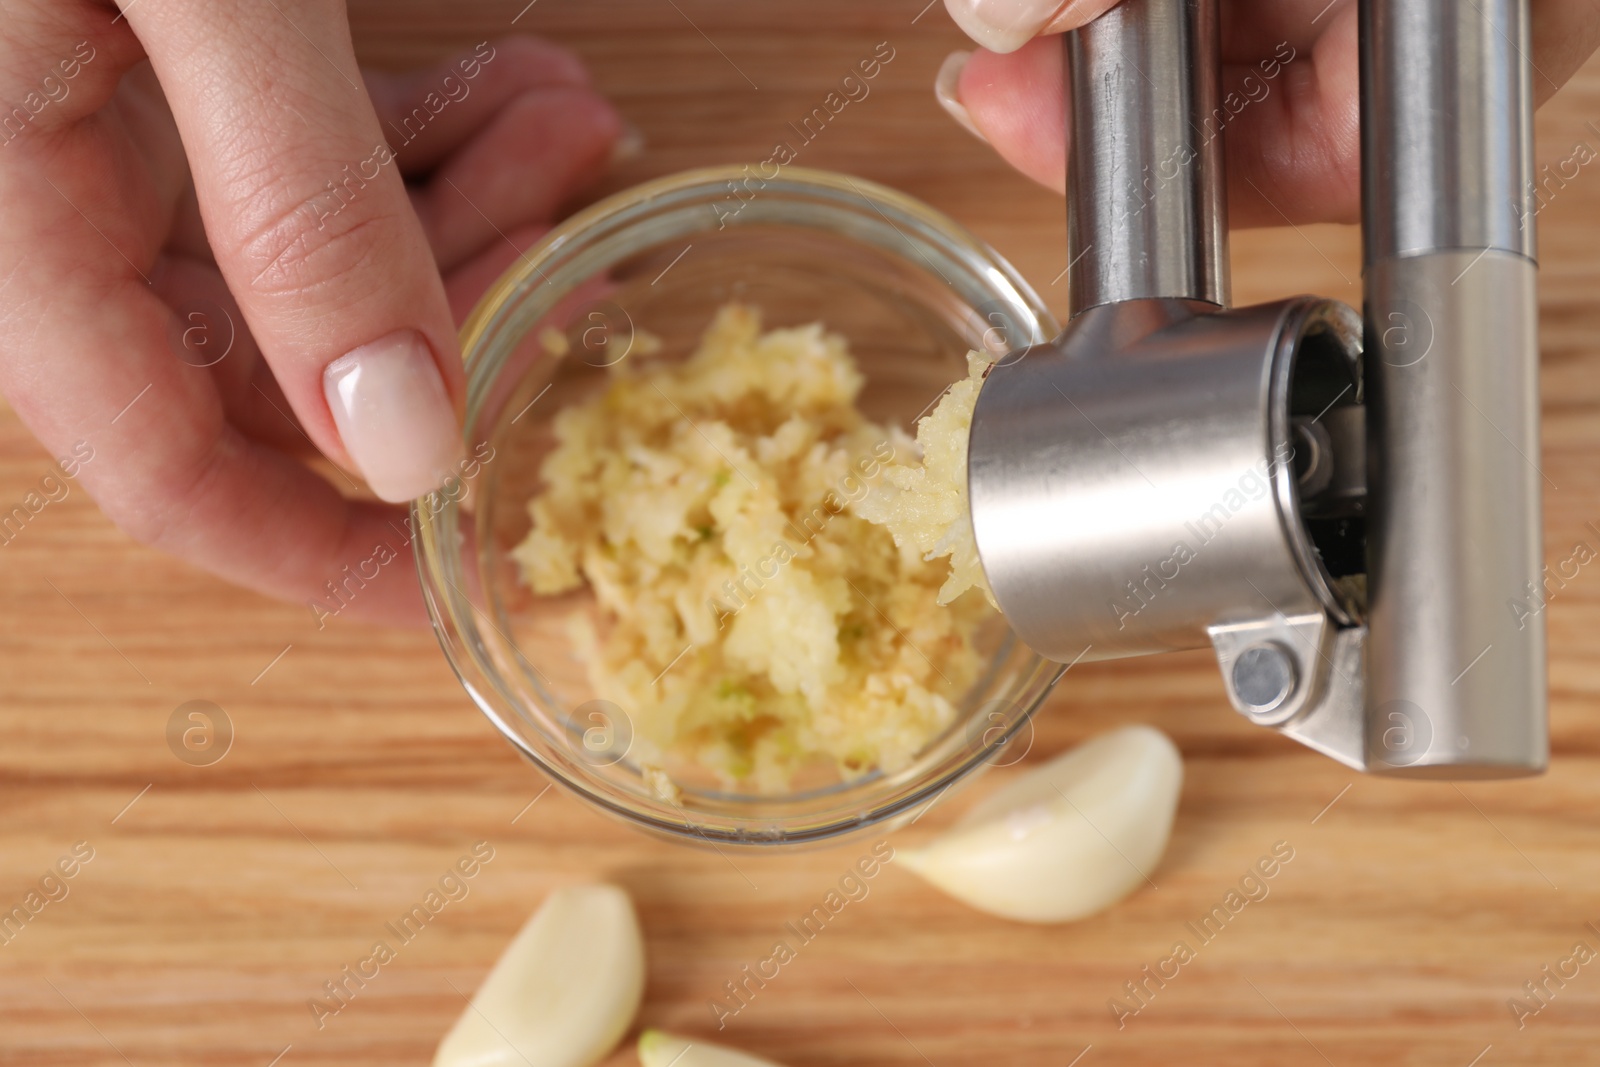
(910, 290)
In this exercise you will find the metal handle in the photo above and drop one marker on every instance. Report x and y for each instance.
(1447, 127)
(1454, 545)
(1146, 195)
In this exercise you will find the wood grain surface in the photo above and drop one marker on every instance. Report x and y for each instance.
(220, 898)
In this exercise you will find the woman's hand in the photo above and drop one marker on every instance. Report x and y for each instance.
(215, 266)
(1294, 147)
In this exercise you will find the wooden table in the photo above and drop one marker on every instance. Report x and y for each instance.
(219, 899)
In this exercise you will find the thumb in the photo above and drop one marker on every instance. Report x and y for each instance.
(309, 221)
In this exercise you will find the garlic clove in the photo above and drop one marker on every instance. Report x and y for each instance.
(1066, 839)
(657, 1049)
(564, 991)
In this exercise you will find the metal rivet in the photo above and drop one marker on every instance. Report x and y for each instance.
(1263, 677)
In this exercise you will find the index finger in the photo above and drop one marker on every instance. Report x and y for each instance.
(312, 229)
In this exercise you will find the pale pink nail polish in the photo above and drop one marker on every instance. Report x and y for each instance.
(394, 416)
(1004, 25)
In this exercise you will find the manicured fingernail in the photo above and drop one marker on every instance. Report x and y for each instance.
(394, 415)
(1003, 25)
(628, 145)
(947, 90)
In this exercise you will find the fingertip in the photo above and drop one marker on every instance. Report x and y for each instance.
(1003, 26)
(395, 416)
(947, 90)
(1017, 102)
(584, 124)
(549, 64)
(608, 132)
(1294, 145)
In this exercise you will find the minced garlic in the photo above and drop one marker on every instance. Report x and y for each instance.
(923, 501)
(751, 615)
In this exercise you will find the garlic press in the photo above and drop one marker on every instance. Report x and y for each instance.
(1344, 506)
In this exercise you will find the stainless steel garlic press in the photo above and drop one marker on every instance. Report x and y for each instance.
(1345, 507)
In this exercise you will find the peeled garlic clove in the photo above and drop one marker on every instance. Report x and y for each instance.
(657, 1049)
(1066, 839)
(564, 991)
